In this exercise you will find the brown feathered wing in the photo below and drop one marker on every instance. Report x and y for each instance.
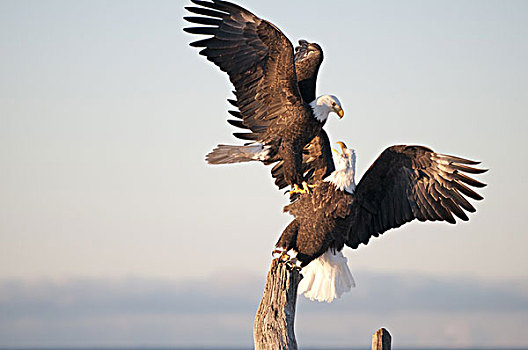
(259, 60)
(407, 183)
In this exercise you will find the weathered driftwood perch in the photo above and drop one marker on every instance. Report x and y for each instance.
(274, 322)
(381, 340)
(273, 328)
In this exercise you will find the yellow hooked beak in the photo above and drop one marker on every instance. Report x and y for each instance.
(339, 111)
(342, 145)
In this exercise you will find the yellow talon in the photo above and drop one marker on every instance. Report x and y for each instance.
(296, 189)
(307, 188)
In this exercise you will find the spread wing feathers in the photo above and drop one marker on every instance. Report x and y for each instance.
(407, 183)
(308, 59)
(258, 59)
(317, 162)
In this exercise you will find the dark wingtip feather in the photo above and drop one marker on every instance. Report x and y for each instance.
(203, 20)
(470, 181)
(202, 3)
(237, 123)
(206, 12)
(470, 209)
(200, 43)
(450, 219)
(246, 136)
(200, 30)
(468, 169)
(467, 191)
(236, 114)
(455, 209)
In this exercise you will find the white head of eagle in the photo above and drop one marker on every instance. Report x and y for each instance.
(324, 105)
(343, 175)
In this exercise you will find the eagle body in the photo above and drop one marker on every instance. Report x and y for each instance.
(287, 139)
(403, 184)
(320, 224)
(280, 114)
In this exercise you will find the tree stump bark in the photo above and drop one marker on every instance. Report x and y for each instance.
(273, 328)
(381, 340)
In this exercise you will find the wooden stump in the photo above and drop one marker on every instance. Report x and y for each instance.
(381, 340)
(274, 322)
(273, 328)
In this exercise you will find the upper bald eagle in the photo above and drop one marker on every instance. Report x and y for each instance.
(403, 184)
(278, 107)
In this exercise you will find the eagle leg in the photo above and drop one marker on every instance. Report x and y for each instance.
(307, 188)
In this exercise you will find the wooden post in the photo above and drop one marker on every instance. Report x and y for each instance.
(273, 328)
(381, 340)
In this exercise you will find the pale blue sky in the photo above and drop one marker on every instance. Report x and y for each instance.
(106, 115)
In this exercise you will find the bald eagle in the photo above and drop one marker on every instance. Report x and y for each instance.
(278, 107)
(403, 184)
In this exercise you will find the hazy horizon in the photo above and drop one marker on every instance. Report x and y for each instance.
(220, 310)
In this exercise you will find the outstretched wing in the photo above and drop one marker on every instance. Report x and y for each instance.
(317, 162)
(258, 59)
(407, 183)
(308, 59)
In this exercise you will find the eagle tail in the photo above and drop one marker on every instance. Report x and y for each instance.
(227, 154)
(327, 277)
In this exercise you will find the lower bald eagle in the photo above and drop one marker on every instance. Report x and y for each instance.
(260, 62)
(403, 184)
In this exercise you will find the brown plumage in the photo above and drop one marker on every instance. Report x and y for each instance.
(403, 184)
(259, 61)
(407, 183)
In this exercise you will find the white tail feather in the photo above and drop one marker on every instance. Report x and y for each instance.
(226, 154)
(326, 278)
